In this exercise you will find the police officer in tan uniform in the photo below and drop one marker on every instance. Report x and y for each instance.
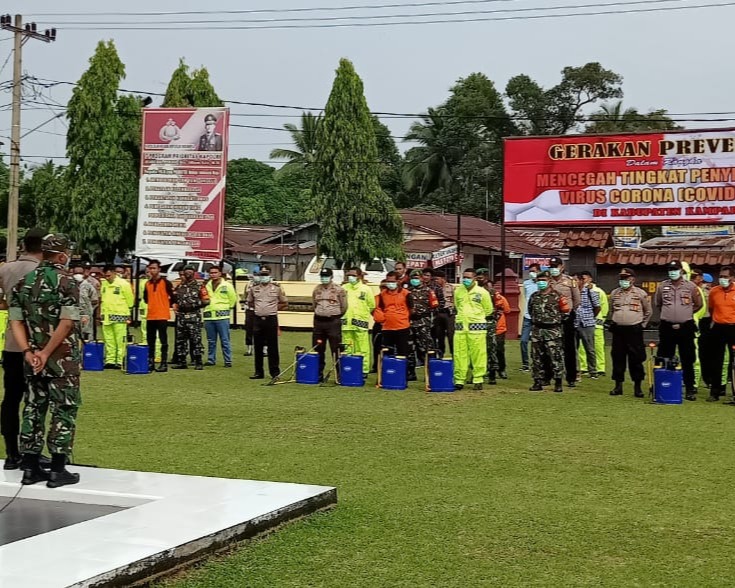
(568, 288)
(631, 311)
(266, 298)
(330, 303)
(677, 300)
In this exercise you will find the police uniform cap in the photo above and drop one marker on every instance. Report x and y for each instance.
(326, 273)
(55, 242)
(626, 272)
(190, 266)
(674, 265)
(417, 273)
(556, 261)
(210, 118)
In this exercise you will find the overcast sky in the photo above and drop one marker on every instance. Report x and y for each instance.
(678, 60)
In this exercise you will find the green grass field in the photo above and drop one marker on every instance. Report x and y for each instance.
(496, 488)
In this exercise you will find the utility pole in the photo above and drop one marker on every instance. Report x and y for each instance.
(21, 34)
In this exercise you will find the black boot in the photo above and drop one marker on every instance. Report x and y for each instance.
(537, 387)
(32, 471)
(557, 385)
(59, 475)
(411, 376)
(163, 366)
(637, 390)
(151, 366)
(198, 364)
(618, 390)
(13, 459)
(179, 366)
(491, 378)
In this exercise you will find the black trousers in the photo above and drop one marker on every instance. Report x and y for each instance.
(723, 337)
(569, 341)
(628, 348)
(442, 330)
(377, 336)
(265, 333)
(14, 381)
(326, 329)
(500, 350)
(158, 330)
(705, 347)
(397, 341)
(681, 336)
(249, 326)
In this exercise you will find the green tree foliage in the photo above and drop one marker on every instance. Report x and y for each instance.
(44, 199)
(613, 118)
(560, 109)
(357, 220)
(258, 194)
(102, 177)
(187, 90)
(304, 141)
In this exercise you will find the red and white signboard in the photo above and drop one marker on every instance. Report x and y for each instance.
(628, 179)
(182, 183)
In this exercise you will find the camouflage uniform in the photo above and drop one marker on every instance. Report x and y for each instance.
(41, 300)
(420, 340)
(547, 350)
(188, 296)
(492, 342)
(88, 299)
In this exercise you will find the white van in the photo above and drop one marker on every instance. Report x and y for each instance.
(171, 271)
(374, 271)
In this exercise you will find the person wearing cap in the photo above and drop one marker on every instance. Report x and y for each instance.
(677, 301)
(631, 311)
(393, 306)
(568, 288)
(356, 321)
(548, 309)
(474, 311)
(330, 304)
(722, 310)
(90, 274)
(13, 365)
(443, 328)
(599, 337)
(210, 140)
(529, 287)
(222, 297)
(266, 298)
(586, 320)
(425, 303)
(88, 300)
(190, 296)
(116, 300)
(44, 312)
(158, 296)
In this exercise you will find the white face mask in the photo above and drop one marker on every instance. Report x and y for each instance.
(79, 277)
(555, 271)
(265, 279)
(532, 275)
(352, 279)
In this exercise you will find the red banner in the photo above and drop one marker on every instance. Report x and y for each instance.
(182, 183)
(667, 178)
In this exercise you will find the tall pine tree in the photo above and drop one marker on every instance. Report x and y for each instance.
(190, 90)
(102, 177)
(357, 220)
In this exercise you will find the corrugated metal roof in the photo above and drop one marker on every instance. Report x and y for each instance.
(544, 238)
(722, 242)
(660, 257)
(595, 238)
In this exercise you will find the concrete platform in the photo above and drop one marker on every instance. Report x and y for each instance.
(122, 527)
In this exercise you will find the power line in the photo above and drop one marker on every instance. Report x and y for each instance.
(153, 27)
(378, 16)
(269, 10)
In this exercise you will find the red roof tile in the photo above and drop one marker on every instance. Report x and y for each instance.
(595, 238)
(660, 257)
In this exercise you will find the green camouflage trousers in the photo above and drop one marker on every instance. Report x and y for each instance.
(547, 359)
(492, 347)
(420, 341)
(63, 397)
(189, 337)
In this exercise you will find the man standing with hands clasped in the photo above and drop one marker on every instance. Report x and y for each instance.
(330, 303)
(222, 297)
(44, 311)
(474, 311)
(266, 298)
(568, 288)
(722, 309)
(631, 311)
(677, 300)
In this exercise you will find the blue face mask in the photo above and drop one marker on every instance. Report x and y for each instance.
(352, 279)
(391, 285)
(624, 284)
(555, 271)
(415, 281)
(532, 275)
(674, 274)
(324, 279)
(265, 279)
(724, 282)
(542, 284)
(467, 282)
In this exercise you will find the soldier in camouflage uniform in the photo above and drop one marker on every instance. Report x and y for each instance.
(44, 310)
(189, 298)
(483, 280)
(420, 341)
(548, 309)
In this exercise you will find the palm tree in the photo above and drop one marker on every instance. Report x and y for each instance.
(304, 140)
